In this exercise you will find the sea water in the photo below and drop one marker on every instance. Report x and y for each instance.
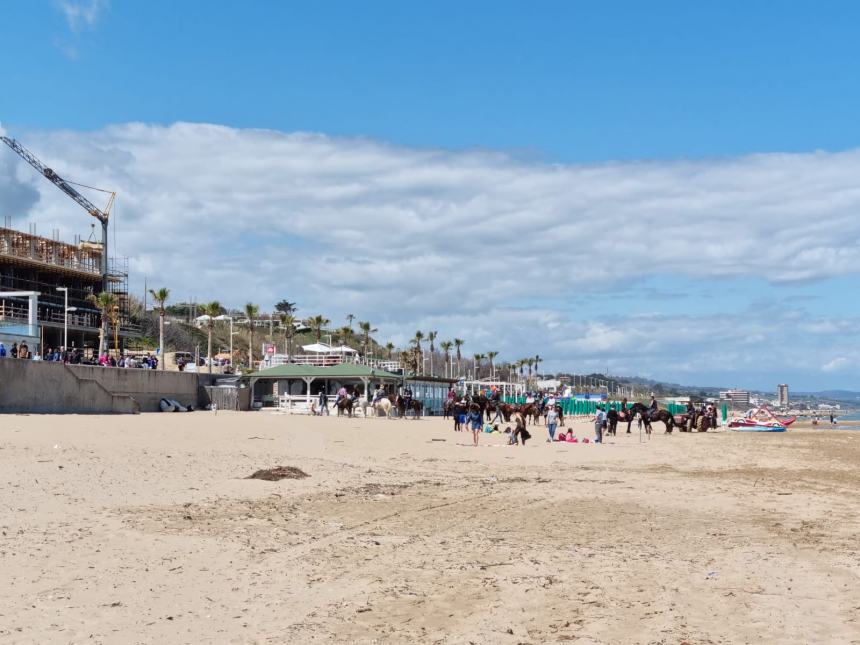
(847, 422)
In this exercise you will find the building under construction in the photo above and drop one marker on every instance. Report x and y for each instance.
(45, 271)
(29, 262)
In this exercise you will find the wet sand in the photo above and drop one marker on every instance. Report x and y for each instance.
(144, 530)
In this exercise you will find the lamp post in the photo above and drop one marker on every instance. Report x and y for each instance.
(230, 318)
(65, 291)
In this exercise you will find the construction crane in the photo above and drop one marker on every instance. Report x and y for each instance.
(102, 216)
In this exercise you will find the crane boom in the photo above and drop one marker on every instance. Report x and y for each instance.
(63, 185)
(55, 179)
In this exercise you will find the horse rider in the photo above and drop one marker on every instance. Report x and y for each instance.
(377, 394)
(652, 407)
(407, 397)
(341, 394)
(691, 412)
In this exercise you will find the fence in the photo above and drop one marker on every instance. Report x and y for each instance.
(328, 360)
(228, 398)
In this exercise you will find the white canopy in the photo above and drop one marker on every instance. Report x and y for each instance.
(319, 348)
(343, 349)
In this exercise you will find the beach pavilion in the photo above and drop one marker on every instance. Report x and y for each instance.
(291, 383)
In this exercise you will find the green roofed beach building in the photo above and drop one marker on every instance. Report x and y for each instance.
(291, 383)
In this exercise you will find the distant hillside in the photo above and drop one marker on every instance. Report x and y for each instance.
(662, 388)
(833, 395)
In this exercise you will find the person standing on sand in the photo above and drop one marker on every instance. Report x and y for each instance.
(599, 420)
(551, 423)
(475, 421)
(323, 402)
(612, 417)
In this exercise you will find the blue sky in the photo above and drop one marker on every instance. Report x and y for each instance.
(569, 81)
(689, 98)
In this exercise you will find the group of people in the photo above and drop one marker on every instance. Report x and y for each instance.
(76, 356)
(320, 406)
(16, 351)
(605, 420)
(146, 362)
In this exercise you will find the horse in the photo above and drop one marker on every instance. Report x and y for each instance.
(457, 409)
(345, 405)
(415, 405)
(531, 412)
(363, 404)
(383, 406)
(481, 401)
(648, 417)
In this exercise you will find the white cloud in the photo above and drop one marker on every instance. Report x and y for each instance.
(81, 14)
(836, 365)
(478, 244)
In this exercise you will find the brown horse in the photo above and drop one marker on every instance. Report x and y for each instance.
(345, 405)
(415, 405)
(531, 412)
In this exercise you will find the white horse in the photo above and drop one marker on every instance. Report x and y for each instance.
(362, 403)
(384, 406)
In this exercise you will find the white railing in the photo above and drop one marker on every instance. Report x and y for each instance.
(328, 360)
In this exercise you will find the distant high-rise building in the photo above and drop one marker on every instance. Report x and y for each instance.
(782, 392)
(738, 398)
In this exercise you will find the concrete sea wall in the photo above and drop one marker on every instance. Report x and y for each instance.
(54, 388)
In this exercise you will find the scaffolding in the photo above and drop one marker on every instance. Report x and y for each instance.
(42, 253)
(29, 262)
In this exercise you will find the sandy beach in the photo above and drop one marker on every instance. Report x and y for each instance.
(144, 529)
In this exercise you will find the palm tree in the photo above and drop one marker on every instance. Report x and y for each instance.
(458, 343)
(367, 329)
(390, 347)
(210, 310)
(350, 318)
(446, 346)
(286, 307)
(288, 322)
(105, 301)
(491, 356)
(316, 324)
(344, 334)
(538, 361)
(419, 336)
(251, 311)
(530, 362)
(431, 336)
(160, 296)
